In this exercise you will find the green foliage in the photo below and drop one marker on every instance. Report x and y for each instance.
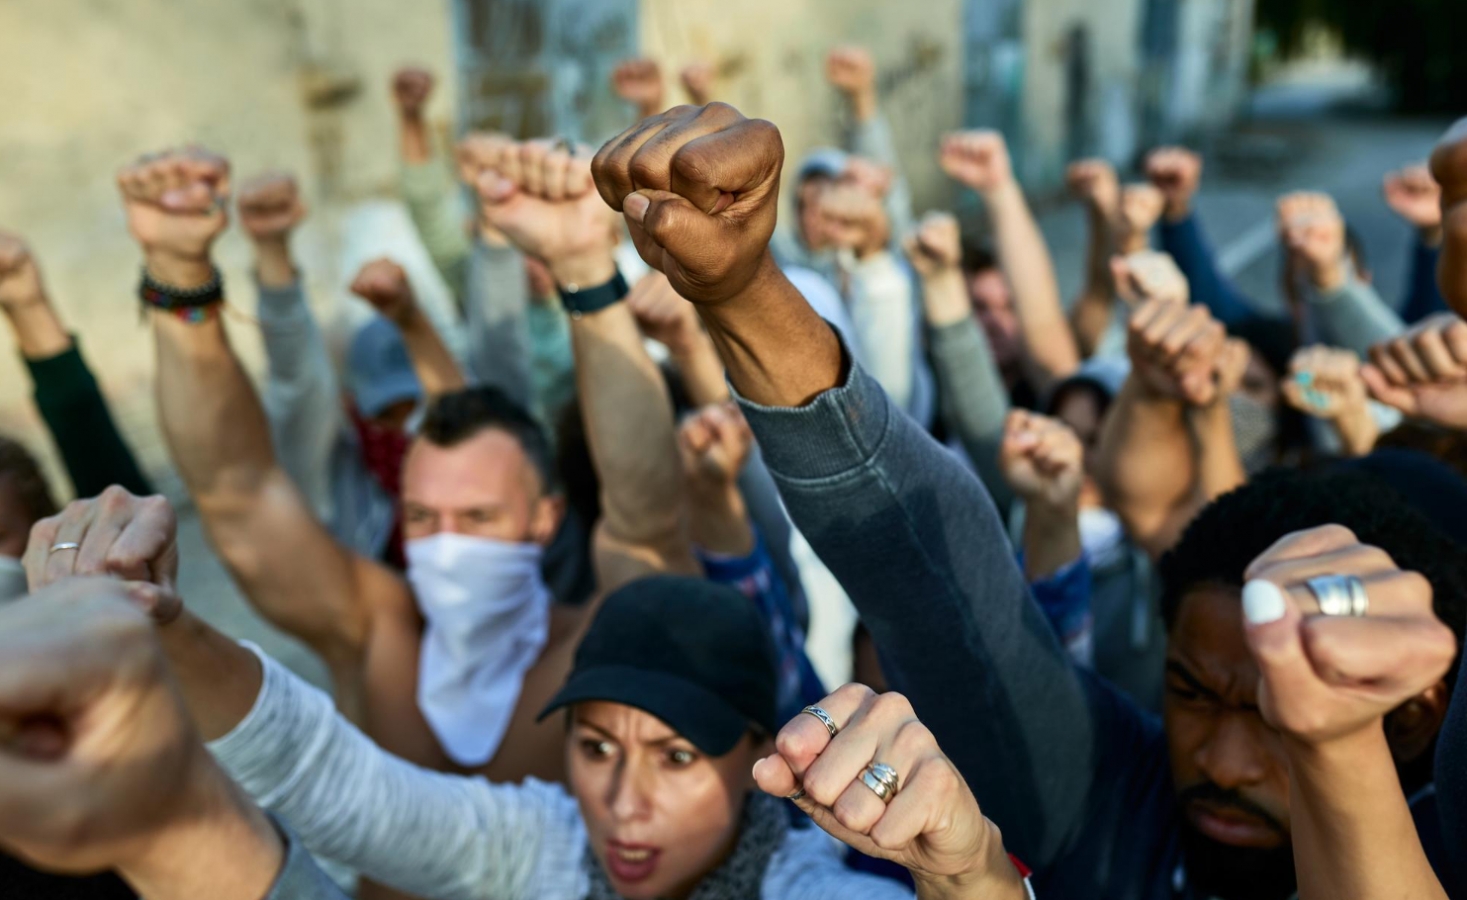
(1418, 44)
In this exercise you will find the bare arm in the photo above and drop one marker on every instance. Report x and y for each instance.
(384, 284)
(1093, 181)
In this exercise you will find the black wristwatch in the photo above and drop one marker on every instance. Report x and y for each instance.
(579, 301)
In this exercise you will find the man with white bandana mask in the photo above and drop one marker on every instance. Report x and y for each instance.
(449, 668)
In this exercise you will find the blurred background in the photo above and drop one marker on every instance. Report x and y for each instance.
(1320, 94)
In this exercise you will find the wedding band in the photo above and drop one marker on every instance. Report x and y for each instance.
(882, 780)
(824, 718)
(65, 545)
(1339, 595)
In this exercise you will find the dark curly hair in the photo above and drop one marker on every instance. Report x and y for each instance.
(18, 467)
(1237, 527)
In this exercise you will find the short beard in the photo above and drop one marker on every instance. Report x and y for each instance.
(1235, 873)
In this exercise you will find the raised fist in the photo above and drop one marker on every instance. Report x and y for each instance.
(854, 219)
(1175, 349)
(477, 152)
(411, 88)
(1325, 382)
(662, 315)
(98, 757)
(177, 205)
(270, 207)
(697, 79)
(715, 442)
(868, 175)
(122, 536)
(1042, 460)
(1416, 197)
(851, 70)
(639, 81)
(930, 823)
(1094, 183)
(1314, 232)
(936, 245)
(1138, 211)
(539, 196)
(977, 159)
(20, 277)
(1423, 372)
(1177, 173)
(1149, 275)
(1326, 677)
(384, 284)
(1449, 168)
(699, 188)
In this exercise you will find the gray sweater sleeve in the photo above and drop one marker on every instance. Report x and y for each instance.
(915, 540)
(1354, 317)
(496, 304)
(300, 878)
(436, 835)
(974, 399)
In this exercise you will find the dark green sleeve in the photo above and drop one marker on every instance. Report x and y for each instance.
(82, 427)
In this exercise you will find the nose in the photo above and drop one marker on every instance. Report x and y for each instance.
(630, 793)
(1233, 754)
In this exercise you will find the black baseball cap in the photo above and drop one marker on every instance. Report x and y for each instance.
(695, 654)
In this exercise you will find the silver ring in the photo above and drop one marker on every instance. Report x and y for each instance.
(824, 718)
(1339, 595)
(882, 780)
(65, 545)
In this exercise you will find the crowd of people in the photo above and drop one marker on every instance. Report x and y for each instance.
(701, 555)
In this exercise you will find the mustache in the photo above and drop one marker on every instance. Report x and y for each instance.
(1213, 795)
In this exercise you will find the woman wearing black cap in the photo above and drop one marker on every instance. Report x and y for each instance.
(674, 780)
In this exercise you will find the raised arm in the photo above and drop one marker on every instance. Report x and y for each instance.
(67, 396)
(639, 82)
(427, 188)
(852, 71)
(1325, 382)
(286, 563)
(672, 321)
(1414, 195)
(542, 199)
(980, 160)
(894, 515)
(384, 285)
(974, 398)
(1449, 168)
(1094, 183)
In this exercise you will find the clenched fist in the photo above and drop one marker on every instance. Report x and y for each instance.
(662, 315)
(1325, 382)
(1149, 275)
(1449, 168)
(1423, 372)
(270, 207)
(411, 88)
(697, 79)
(539, 196)
(715, 442)
(1314, 233)
(699, 188)
(1042, 460)
(20, 277)
(177, 205)
(1094, 183)
(384, 284)
(1139, 209)
(977, 159)
(1175, 350)
(851, 70)
(854, 219)
(1416, 197)
(1177, 173)
(639, 81)
(935, 247)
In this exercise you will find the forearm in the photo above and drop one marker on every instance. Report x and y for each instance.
(429, 193)
(995, 877)
(975, 401)
(219, 678)
(437, 370)
(1357, 430)
(718, 520)
(38, 331)
(1051, 539)
(1354, 316)
(1354, 837)
(629, 428)
(1092, 311)
(1219, 467)
(414, 142)
(1147, 467)
(1183, 240)
(1024, 257)
(1423, 296)
(702, 371)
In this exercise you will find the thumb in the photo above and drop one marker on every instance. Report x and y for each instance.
(670, 220)
(494, 188)
(1271, 620)
(161, 603)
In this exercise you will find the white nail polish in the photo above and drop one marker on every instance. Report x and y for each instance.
(1263, 602)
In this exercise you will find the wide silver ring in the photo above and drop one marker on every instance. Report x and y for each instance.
(1339, 595)
(824, 718)
(882, 780)
(64, 545)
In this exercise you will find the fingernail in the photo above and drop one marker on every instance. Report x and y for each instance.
(1304, 378)
(635, 207)
(757, 764)
(1263, 602)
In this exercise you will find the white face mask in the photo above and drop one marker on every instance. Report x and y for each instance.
(488, 614)
(12, 579)
(1101, 536)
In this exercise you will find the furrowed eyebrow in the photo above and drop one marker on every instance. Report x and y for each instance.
(1176, 668)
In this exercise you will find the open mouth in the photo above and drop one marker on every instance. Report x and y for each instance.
(630, 863)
